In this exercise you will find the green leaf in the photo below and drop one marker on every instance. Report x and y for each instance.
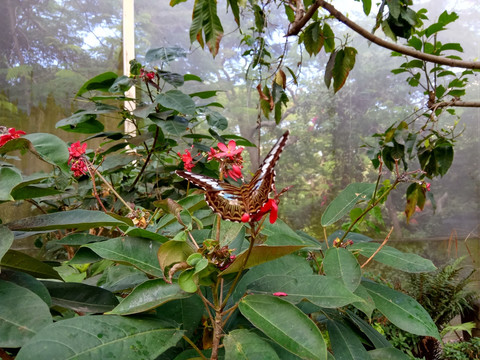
(6, 240)
(33, 191)
(344, 62)
(212, 26)
(285, 324)
(101, 337)
(259, 255)
(19, 261)
(367, 6)
(340, 264)
(345, 344)
(165, 54)
(27, 281)
(22, 315)
(82, 121)
(402, 310)
(75, 219)
(446, 18)
(173, 79)
(121, 84)
(243, 344)
(387, 354)
(346, 201)
(173, 252)
(415, 42)
(9, 178)
(415, 197)
(187, 282)
(319, 290)
(329, 38)
(146, 234)
(377, 339)
(313, 38)
(327, 78)
(80, 297)
(367, 306)
(100, 82)
(121, 277)
(50, 148)
(204, 94)
(390, 256)
(289, 265)
(217, 120)
(452, 46)
(80, 239)
(177, 100)
(434, 28)
(149, 295)
(141, 253)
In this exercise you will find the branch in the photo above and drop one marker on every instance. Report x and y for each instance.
(298, 25)
(455, 102)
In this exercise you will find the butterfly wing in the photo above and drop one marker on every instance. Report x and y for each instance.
(263, 180)
(223, 198)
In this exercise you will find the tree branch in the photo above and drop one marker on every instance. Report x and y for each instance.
(455, 102)
(298, 25)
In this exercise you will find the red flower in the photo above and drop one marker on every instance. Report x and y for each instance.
(211, 154)
(235, 173)
(270, 206)
(79, 167)
(12, 134)
(228, 151)
(427, 186)
(187, 160)
(76, 149)
(148, 75)
(279, 293)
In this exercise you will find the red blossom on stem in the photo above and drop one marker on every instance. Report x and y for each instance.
(76, 159)
(235, 173)
(229, 150)
(270, 206)
(147, 74)
(12, 134)
(279, 293)
(187, 160)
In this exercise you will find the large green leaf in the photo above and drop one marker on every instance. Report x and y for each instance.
(121, 277)
(22, 315)
(33, 191)
(212, 26)
(340, 264)
(80, 239)
(289, 265)
(139, 252)
(50, 148)
(81, 297)
(377, 339)
(6, 240)
(149, 295)
(100, 82)
(390, 256)
(177, 100)
(165, 54)
(173, 252)
(285, 324)
(313, 38)
(9, 178)
(402, 310)
(344, 62)
(101, 337)
(27, 281)
(280, 233)
(75, 219)
(17, 260)
(346, 201)
(259, 255)
(345, 344)
(319, 290)
(243, 344)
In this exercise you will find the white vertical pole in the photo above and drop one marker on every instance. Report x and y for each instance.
(129, 54)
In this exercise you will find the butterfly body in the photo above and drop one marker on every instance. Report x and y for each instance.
(232, 202)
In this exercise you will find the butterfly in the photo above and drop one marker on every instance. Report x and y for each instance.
(232, 202)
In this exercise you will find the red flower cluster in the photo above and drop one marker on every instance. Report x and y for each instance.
(187, 160)
(231, 158)
(10, 135)
(76, 160)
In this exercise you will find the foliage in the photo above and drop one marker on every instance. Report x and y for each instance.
(444, 294)
(464, 350)
(132, 248)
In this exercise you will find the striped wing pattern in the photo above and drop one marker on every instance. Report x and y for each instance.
(230, 201)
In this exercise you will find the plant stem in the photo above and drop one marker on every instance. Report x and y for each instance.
(195, 347)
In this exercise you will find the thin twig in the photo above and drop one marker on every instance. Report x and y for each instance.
(379, 248)
(195, 347)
